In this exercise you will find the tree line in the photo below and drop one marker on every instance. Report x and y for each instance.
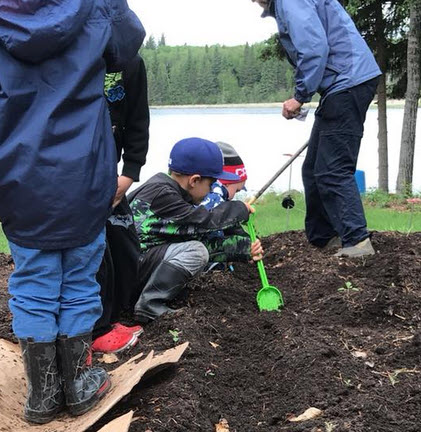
(214, 75)
(260, 73)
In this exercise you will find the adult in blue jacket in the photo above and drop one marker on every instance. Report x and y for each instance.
(57, 182)
(330, 57)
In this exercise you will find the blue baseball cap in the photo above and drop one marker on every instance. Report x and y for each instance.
(199, 156)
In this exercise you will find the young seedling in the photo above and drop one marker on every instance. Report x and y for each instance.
(348, 288)
(345, 381)
(393, 377)
(330, 427)
(175, 335)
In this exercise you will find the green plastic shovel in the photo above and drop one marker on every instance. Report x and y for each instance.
(268, 298)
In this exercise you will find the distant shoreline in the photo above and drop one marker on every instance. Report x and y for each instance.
(392, 103)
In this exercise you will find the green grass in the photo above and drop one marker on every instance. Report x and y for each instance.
(4, 247)
(393, 220)
(384, 212)
(272, 218)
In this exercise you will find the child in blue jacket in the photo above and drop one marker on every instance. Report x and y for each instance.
(57, 183)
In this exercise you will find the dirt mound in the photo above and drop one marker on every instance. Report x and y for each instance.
(344, 343)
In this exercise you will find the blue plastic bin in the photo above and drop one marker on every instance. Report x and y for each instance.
(360, 179)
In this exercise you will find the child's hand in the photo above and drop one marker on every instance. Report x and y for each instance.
(249, 207)
(256, 251)
(123, 185)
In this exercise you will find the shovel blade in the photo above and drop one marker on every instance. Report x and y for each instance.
(269, 298)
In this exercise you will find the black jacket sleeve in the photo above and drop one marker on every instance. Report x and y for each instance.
(171, 206)
(136, 130)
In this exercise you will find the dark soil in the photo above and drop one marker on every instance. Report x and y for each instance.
(257, 369)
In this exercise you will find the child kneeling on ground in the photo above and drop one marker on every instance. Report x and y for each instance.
(173, 230)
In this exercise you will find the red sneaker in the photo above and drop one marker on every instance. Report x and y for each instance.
(114, 342)
(136, 330)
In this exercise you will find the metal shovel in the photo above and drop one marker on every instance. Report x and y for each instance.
(269, 298)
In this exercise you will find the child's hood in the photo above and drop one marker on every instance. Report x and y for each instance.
(35, 30)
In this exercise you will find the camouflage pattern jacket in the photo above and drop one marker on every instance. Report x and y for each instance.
(164, 213)
(217, 195)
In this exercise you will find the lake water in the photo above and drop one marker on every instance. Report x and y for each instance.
(262, 137)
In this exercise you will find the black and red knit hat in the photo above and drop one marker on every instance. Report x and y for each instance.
(232, 163)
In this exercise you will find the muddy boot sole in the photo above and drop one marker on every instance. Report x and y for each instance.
(36, 417)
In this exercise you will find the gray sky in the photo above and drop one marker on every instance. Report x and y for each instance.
(204, 22)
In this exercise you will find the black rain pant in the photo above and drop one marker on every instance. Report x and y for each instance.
(333, 202)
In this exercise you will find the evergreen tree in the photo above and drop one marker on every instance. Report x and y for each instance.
(150, 43)
(188, 75)
(217, 61)
(207, 85)
(162, 41)
(250, 68)
(161, 85)
(269, 83)
(176, 86)
(229, 88)
(191, 76)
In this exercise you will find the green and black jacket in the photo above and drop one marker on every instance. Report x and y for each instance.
(164, 213)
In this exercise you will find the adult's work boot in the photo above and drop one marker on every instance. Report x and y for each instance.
(45, 394)
(333, 243)
(84, 385)
(165, 283)
(363, 248)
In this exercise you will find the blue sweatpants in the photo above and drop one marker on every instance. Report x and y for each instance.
(333, 203)
(55, 292)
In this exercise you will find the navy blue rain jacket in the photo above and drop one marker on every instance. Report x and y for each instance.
(57, 152)
(324, 46)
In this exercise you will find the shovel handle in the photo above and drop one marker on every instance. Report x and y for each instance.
(254, 198)
(253, 238)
